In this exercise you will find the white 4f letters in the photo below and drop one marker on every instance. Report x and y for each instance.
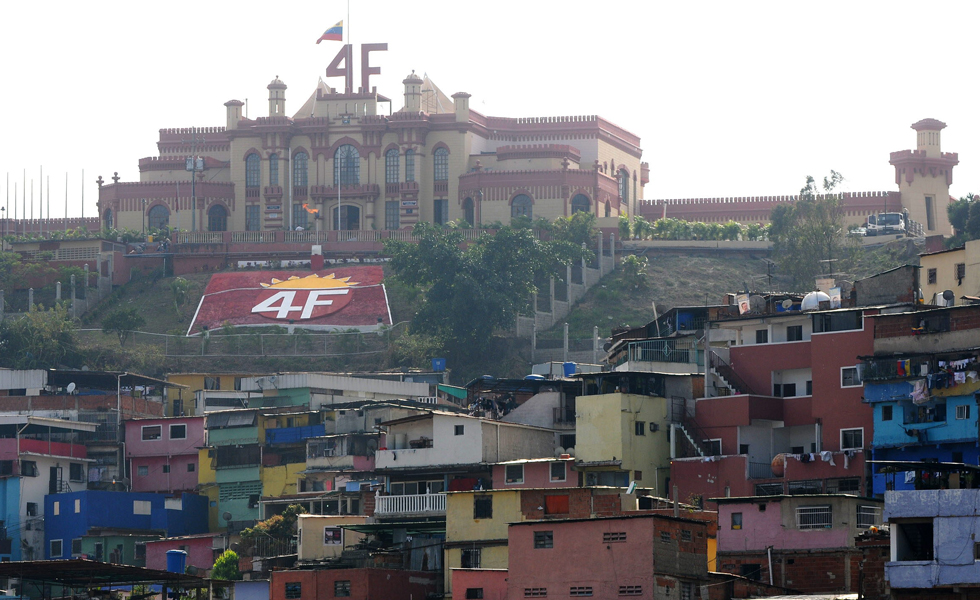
(281, 303)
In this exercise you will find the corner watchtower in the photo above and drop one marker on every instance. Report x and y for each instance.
(924, 175)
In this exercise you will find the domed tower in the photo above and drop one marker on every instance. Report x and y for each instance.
(413, 93)
(924, 175)
(277, 98)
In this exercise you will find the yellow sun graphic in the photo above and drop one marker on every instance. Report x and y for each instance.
(310, 282)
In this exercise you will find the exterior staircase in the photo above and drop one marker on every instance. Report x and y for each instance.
(723, 371)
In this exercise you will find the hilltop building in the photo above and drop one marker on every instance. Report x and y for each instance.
(340, 163)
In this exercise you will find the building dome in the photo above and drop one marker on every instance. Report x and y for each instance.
(412, 78)
(812, 300)
(276, 84)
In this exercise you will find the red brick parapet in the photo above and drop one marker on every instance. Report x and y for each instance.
(539, 151)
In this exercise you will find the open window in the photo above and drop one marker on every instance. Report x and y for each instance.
(913, 540)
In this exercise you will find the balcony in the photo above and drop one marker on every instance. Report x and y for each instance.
(563, 417)
(660, 351)
(413, 505)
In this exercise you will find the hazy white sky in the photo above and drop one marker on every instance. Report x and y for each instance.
(728, 98)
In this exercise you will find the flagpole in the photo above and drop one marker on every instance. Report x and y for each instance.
(49, 203)
(66, 200)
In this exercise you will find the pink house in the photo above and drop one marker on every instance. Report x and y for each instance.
(806, 542)
(643, 554)
(163, 453)
(202, 549)
(489, 584)
(536, 473)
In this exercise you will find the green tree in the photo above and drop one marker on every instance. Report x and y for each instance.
(468, 293)
(41, 339)
(226, 567)
(180, 288)
(580, 228)
(123, 322)
(964, 216)
(810, 231)
(634, 272)
(625, 226)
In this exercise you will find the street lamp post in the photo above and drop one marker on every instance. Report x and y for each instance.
(3, 217)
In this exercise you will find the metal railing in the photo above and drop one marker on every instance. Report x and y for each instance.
(814, 517)
(663, 351)
(410, 504)
(761, 471)
(726, 371)
(868, 516)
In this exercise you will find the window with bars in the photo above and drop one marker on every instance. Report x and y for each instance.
(252, 220)
(609, 537)
(686, 535)
(470, 558)
(665, 537)
(483, 507)
(474, 593)
(544, 539)
(158, 217)
(341, 588)
(521, 206)
(294, 589)
(814, 517)
(392, 215)
(346, 166)
(391, 166)
(253, 170)
(624, 185)
(300, 217)
(535, 592)
(868, 516)
(440, 211)
(273, 169)
(631, 590)
(440, 165)
(409, 165)
(580, 590)
(301, 169)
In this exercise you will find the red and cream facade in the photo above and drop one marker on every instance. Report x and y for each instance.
(434, 160)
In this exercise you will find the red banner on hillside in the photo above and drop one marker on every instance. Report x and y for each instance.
(341, 298)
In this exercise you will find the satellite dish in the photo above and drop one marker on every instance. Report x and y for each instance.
(71, 387)
(757, 304)
(559, 451)
(787, 304)
(812, 300)
(226, 516)
(948, 298)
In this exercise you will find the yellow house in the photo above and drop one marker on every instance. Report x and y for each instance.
(322, 536)
(956, 270)
(622, 437)
(474, 539)
(183, 401)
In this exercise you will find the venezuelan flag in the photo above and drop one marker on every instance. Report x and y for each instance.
(335, 33)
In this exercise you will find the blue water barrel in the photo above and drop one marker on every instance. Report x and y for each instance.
(438, 364)
(568, 369)
(176, 561)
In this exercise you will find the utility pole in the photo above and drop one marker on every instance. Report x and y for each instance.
(193, 164)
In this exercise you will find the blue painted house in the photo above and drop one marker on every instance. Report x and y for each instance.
(941, 427)
(70, 517)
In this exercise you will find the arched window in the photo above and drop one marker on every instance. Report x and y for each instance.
(217, 218)
(273, 169)
(520, 206)
(440, 165)
(624, 186)
(581, 203)
(158, 217)
(608, 210)
(253, 174)
(346, 166)
(391, 166)
(300, 169)
(409, 165)
(468, 211)
(108, 218)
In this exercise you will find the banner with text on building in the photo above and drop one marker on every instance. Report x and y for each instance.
(332, 299)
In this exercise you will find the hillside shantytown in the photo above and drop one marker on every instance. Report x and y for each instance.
(821, 442)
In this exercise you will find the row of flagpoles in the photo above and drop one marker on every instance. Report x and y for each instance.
(19, 205)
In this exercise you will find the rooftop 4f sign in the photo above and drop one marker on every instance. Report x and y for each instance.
(342, 298)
